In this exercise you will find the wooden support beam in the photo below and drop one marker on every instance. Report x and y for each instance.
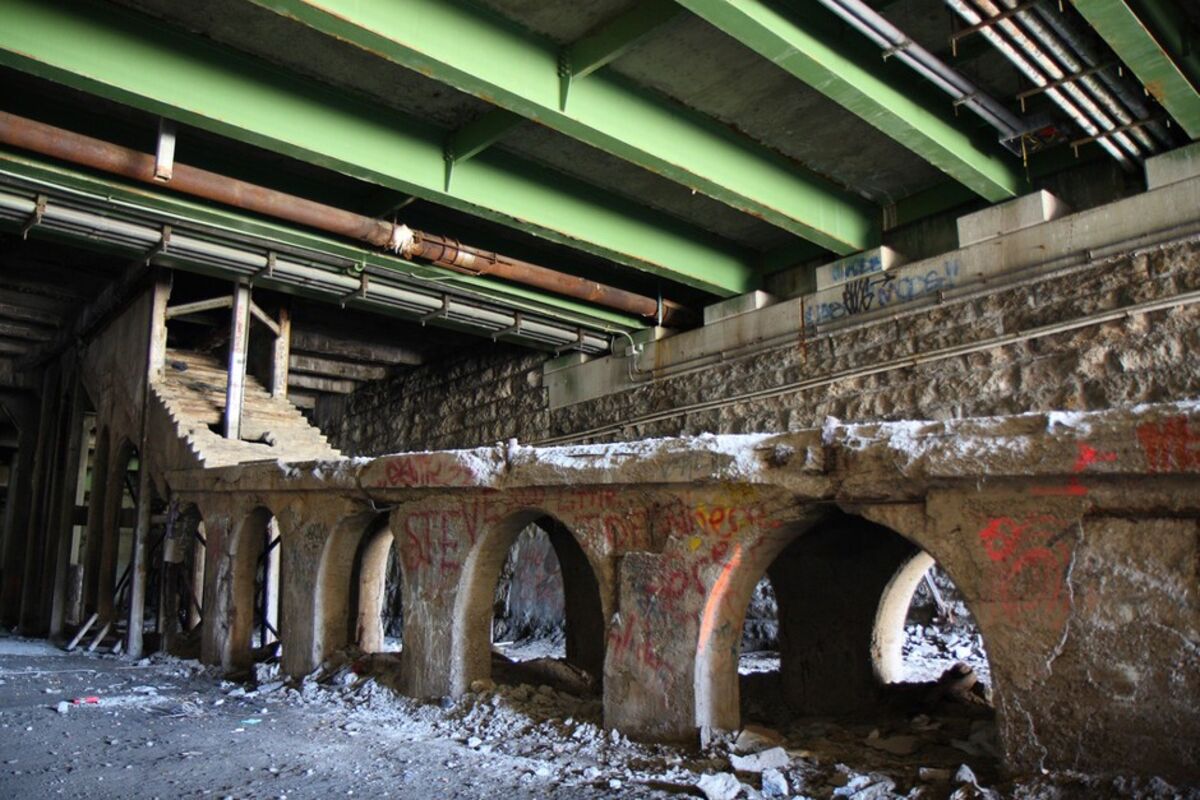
(155, 360)
(21, 313)
(34, 533)
(281, 353)
(239, 338)
(137, 576)
(30, 333)
(198, 307)
(264, 318)
(61, 522)
(310, 341)
(329, 385)
(329, 367)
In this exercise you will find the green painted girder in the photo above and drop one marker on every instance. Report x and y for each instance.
(1170, 70)
(132, 59)
(576, 60)
(484, 55)
(614, 39)
(803, 39)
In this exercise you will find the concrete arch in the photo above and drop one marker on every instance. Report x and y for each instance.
(835, 576)
(245, 545)
(470, 657)
(368, 586)
(333, 621)
(887, 639)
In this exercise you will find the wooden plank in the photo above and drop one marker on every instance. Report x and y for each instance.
(310, 341)
(316, 365)
(239, 338)
(331, 385)
(281, 353)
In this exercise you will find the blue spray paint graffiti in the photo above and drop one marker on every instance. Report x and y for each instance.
(880, 291)
(855, 267)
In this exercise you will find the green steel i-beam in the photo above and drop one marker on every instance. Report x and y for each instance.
(1170, 71)
(803, 40)
(577, 60)
(134, 60)
(485, 55)
(614, 39)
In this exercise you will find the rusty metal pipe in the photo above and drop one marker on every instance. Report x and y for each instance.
(454, 255)
(86, 151)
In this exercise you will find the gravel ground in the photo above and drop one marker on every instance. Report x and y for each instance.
(95, 726)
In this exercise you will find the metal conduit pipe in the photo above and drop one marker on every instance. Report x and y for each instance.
(1062, 56)
(286, 270)
(76, 148)
(1050, 58)
(889, 38)
(1048, 65)
(1129, 97)
(1023, 62)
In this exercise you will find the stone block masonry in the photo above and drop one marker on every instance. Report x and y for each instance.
(992, 351)
(492, 395)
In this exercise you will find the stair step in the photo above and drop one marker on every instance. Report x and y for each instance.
(195, 400)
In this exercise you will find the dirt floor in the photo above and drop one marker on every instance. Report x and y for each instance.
(85, 725)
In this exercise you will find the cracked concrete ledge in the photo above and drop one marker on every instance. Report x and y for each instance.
(838, 459)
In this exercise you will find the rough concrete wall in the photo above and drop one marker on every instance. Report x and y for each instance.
(1143, 358)
(490, 396)
(529, 597)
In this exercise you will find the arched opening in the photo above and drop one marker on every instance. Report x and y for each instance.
(255, 625)
(84, 491)
(114, 562)
(536, 602)
(93, 539)
(182, 586)
(925, 630)
(379, 613)
(822, 652)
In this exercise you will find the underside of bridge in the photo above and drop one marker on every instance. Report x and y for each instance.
(725, 397)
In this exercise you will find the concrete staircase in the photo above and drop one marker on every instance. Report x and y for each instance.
(192, 391)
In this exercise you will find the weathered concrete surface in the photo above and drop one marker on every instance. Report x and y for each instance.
(1072, 537)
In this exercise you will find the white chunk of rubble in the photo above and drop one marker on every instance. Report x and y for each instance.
(721, 786)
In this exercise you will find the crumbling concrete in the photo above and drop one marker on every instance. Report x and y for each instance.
(1072, 537)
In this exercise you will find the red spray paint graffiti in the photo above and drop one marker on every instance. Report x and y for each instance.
(1032, 558)
(1170, 445)
(426, 471)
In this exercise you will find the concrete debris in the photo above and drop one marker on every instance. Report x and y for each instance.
(63, 707)
(866, 787)
(897, 745)
(754, 738)
(774, 784)
(775, 758)
(934, 775)
(721, 786)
